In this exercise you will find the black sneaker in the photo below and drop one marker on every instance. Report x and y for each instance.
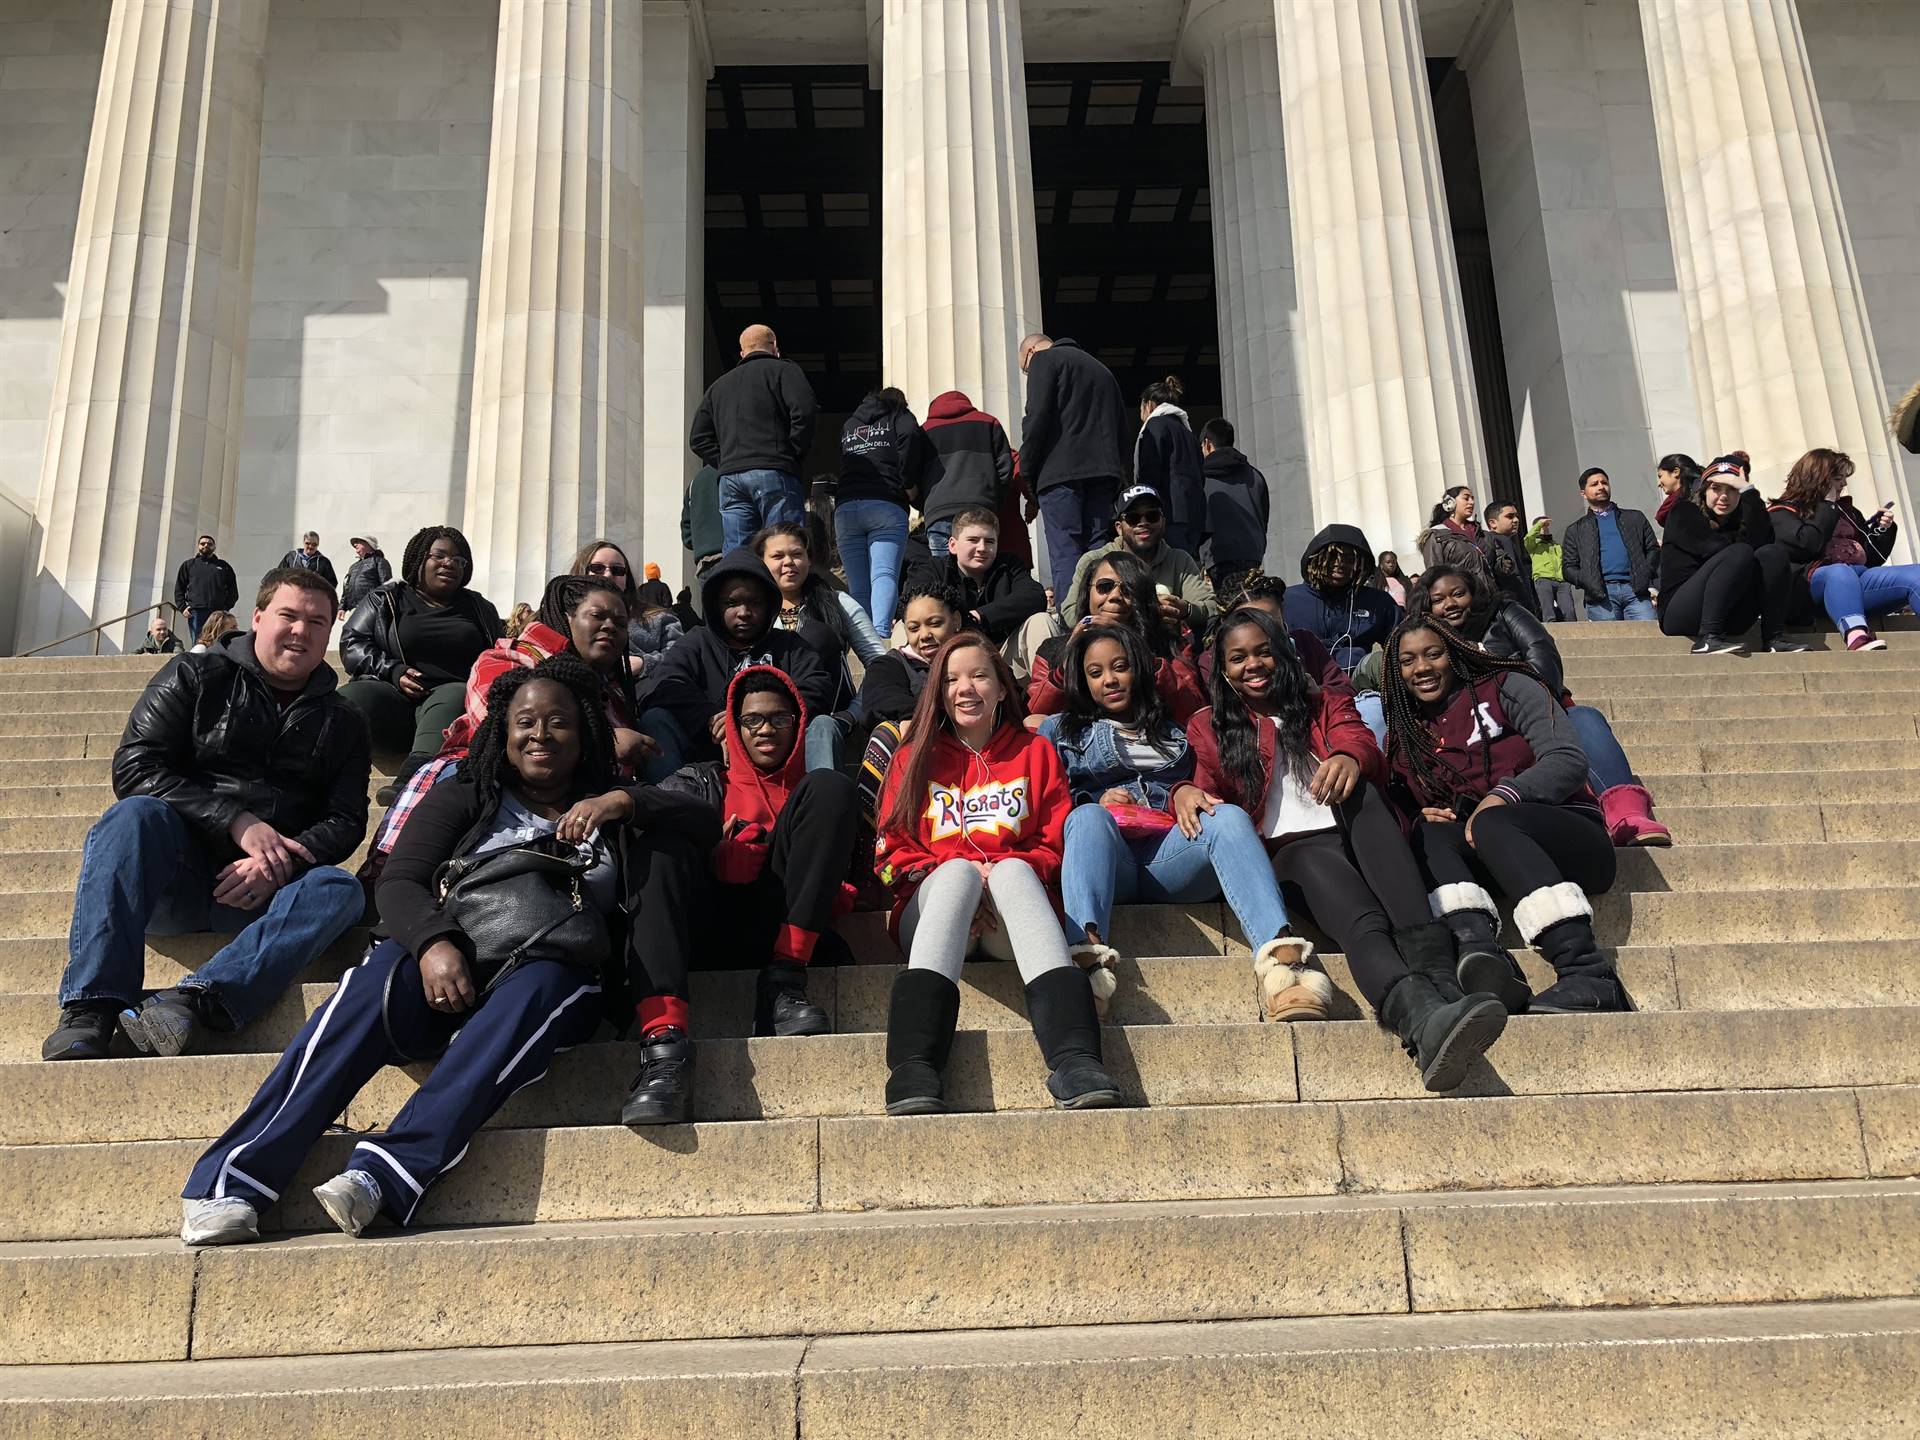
(167, 1023)
(1717, 645)
(781, 1006)
(1784, 646)
(85, 1032)
(665, 1083)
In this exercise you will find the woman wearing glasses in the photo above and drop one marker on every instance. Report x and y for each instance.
(1118, 590)
(410, 645)
(652, 630)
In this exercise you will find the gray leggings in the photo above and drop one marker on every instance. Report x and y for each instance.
(935, 923)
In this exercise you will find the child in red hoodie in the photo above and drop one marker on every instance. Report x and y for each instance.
(972, 825)
(767, 888)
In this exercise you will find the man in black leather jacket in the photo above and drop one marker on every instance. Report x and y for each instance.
(241, 784)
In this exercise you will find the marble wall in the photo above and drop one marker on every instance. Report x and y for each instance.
(1596, 343)
(373, 176)
(1866, 66)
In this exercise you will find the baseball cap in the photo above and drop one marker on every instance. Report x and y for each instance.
(1134, 494)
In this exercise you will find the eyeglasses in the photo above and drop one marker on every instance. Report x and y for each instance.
(618, 572)
(779, 723)
(1144, 517)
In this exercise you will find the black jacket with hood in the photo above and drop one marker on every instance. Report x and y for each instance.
(691, 682)
(883, 455)
(1349, 624)
(208, 736)
(370, 638)
(758, 416)
(1237, 511)
(1006, 597)
(969, 464)
(1077, 426)
(1166, 455)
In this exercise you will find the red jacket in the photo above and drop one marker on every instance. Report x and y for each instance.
(1010, 801)
(1337, 729)
(1176, 681)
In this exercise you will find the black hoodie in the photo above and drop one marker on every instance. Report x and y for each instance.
(1236, 511)
(883, 455)
(1351, 623)
(690, 683)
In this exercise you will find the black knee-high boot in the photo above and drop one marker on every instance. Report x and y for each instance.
(1429, 951)
(1485, 967)
(1444, 1038)
(1557, 920)
(1065, 1022)
(921, 1015)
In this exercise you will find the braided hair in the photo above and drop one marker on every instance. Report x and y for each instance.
(564, 595)
(1237, 728)
(1146, 710)
(413, 561)
(1411, 743)
(486, 763)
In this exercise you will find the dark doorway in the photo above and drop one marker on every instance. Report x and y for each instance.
(793, 228)
(1125, 233)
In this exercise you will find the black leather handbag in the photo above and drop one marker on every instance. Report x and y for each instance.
(524, 902)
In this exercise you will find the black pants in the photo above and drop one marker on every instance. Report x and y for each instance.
(684, 919)
(1359, 883)
(1729, 592)
(1521, 849)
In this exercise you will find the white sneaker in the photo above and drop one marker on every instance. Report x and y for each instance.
(351, 1200)
(225, 1221)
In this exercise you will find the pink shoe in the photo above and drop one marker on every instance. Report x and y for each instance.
(1864, 640)
(1628, 813)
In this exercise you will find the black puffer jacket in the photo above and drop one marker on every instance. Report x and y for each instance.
(208, 736)
(370, 639)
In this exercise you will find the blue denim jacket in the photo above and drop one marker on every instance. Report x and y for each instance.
(1096, 765)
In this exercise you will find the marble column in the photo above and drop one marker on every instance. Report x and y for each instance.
(555, 454)
(143, 442)
(676, 67)
(960, 273)
(1230, 44)
(1392, 418)
(1783, 358)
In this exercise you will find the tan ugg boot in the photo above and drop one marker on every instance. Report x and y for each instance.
(1098, 961)
(1288, 987)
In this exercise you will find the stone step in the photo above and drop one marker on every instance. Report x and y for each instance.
(91, 723)
(1700, 684)
(1634, 734)
(999, 1070)
(14, 665)
(830, 1274)
(1038, 1157)
(1831, 666)
(36, 800)
(1776, 787)
(1750, 713)
(1801, 1370)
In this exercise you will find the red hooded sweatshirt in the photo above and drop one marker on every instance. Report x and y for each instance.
(1006, 801)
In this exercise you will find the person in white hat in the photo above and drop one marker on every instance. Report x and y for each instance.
(366, 574)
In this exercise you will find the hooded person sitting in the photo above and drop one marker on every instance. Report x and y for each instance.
(1347, 617)
(683, 698)
(766, 890)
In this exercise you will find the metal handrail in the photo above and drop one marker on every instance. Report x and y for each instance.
(94, 630)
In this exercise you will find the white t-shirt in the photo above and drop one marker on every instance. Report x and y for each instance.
(1291, 810)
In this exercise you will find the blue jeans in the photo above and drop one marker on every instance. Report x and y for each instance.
(1101, 868)
(660, 726)
(145, 872)
(1079, 516)
(938, 533)
(1850, 593)
(1373, 710)
(1621, 604)
(1606, 762)
(873, 537)
(826, 742)
(752, 499)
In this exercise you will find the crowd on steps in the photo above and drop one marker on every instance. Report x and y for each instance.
(615, 787)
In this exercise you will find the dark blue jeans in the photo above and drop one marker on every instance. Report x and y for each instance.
(145, 872)
(753, 499)
(1079, 516)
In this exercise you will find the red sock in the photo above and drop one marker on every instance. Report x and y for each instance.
(794, 945)
(657, 1012)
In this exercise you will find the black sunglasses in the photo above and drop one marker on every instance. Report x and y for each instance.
(1144, 517)
(617, 571)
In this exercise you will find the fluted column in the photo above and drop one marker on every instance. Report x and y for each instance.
(143, 441)
(676, 68)
(1392, 418)
(960, 273)
(1231, 44)
(1783, 357)
(556, 445)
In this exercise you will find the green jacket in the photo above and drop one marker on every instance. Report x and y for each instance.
(1175, 569)
(1545, 553)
